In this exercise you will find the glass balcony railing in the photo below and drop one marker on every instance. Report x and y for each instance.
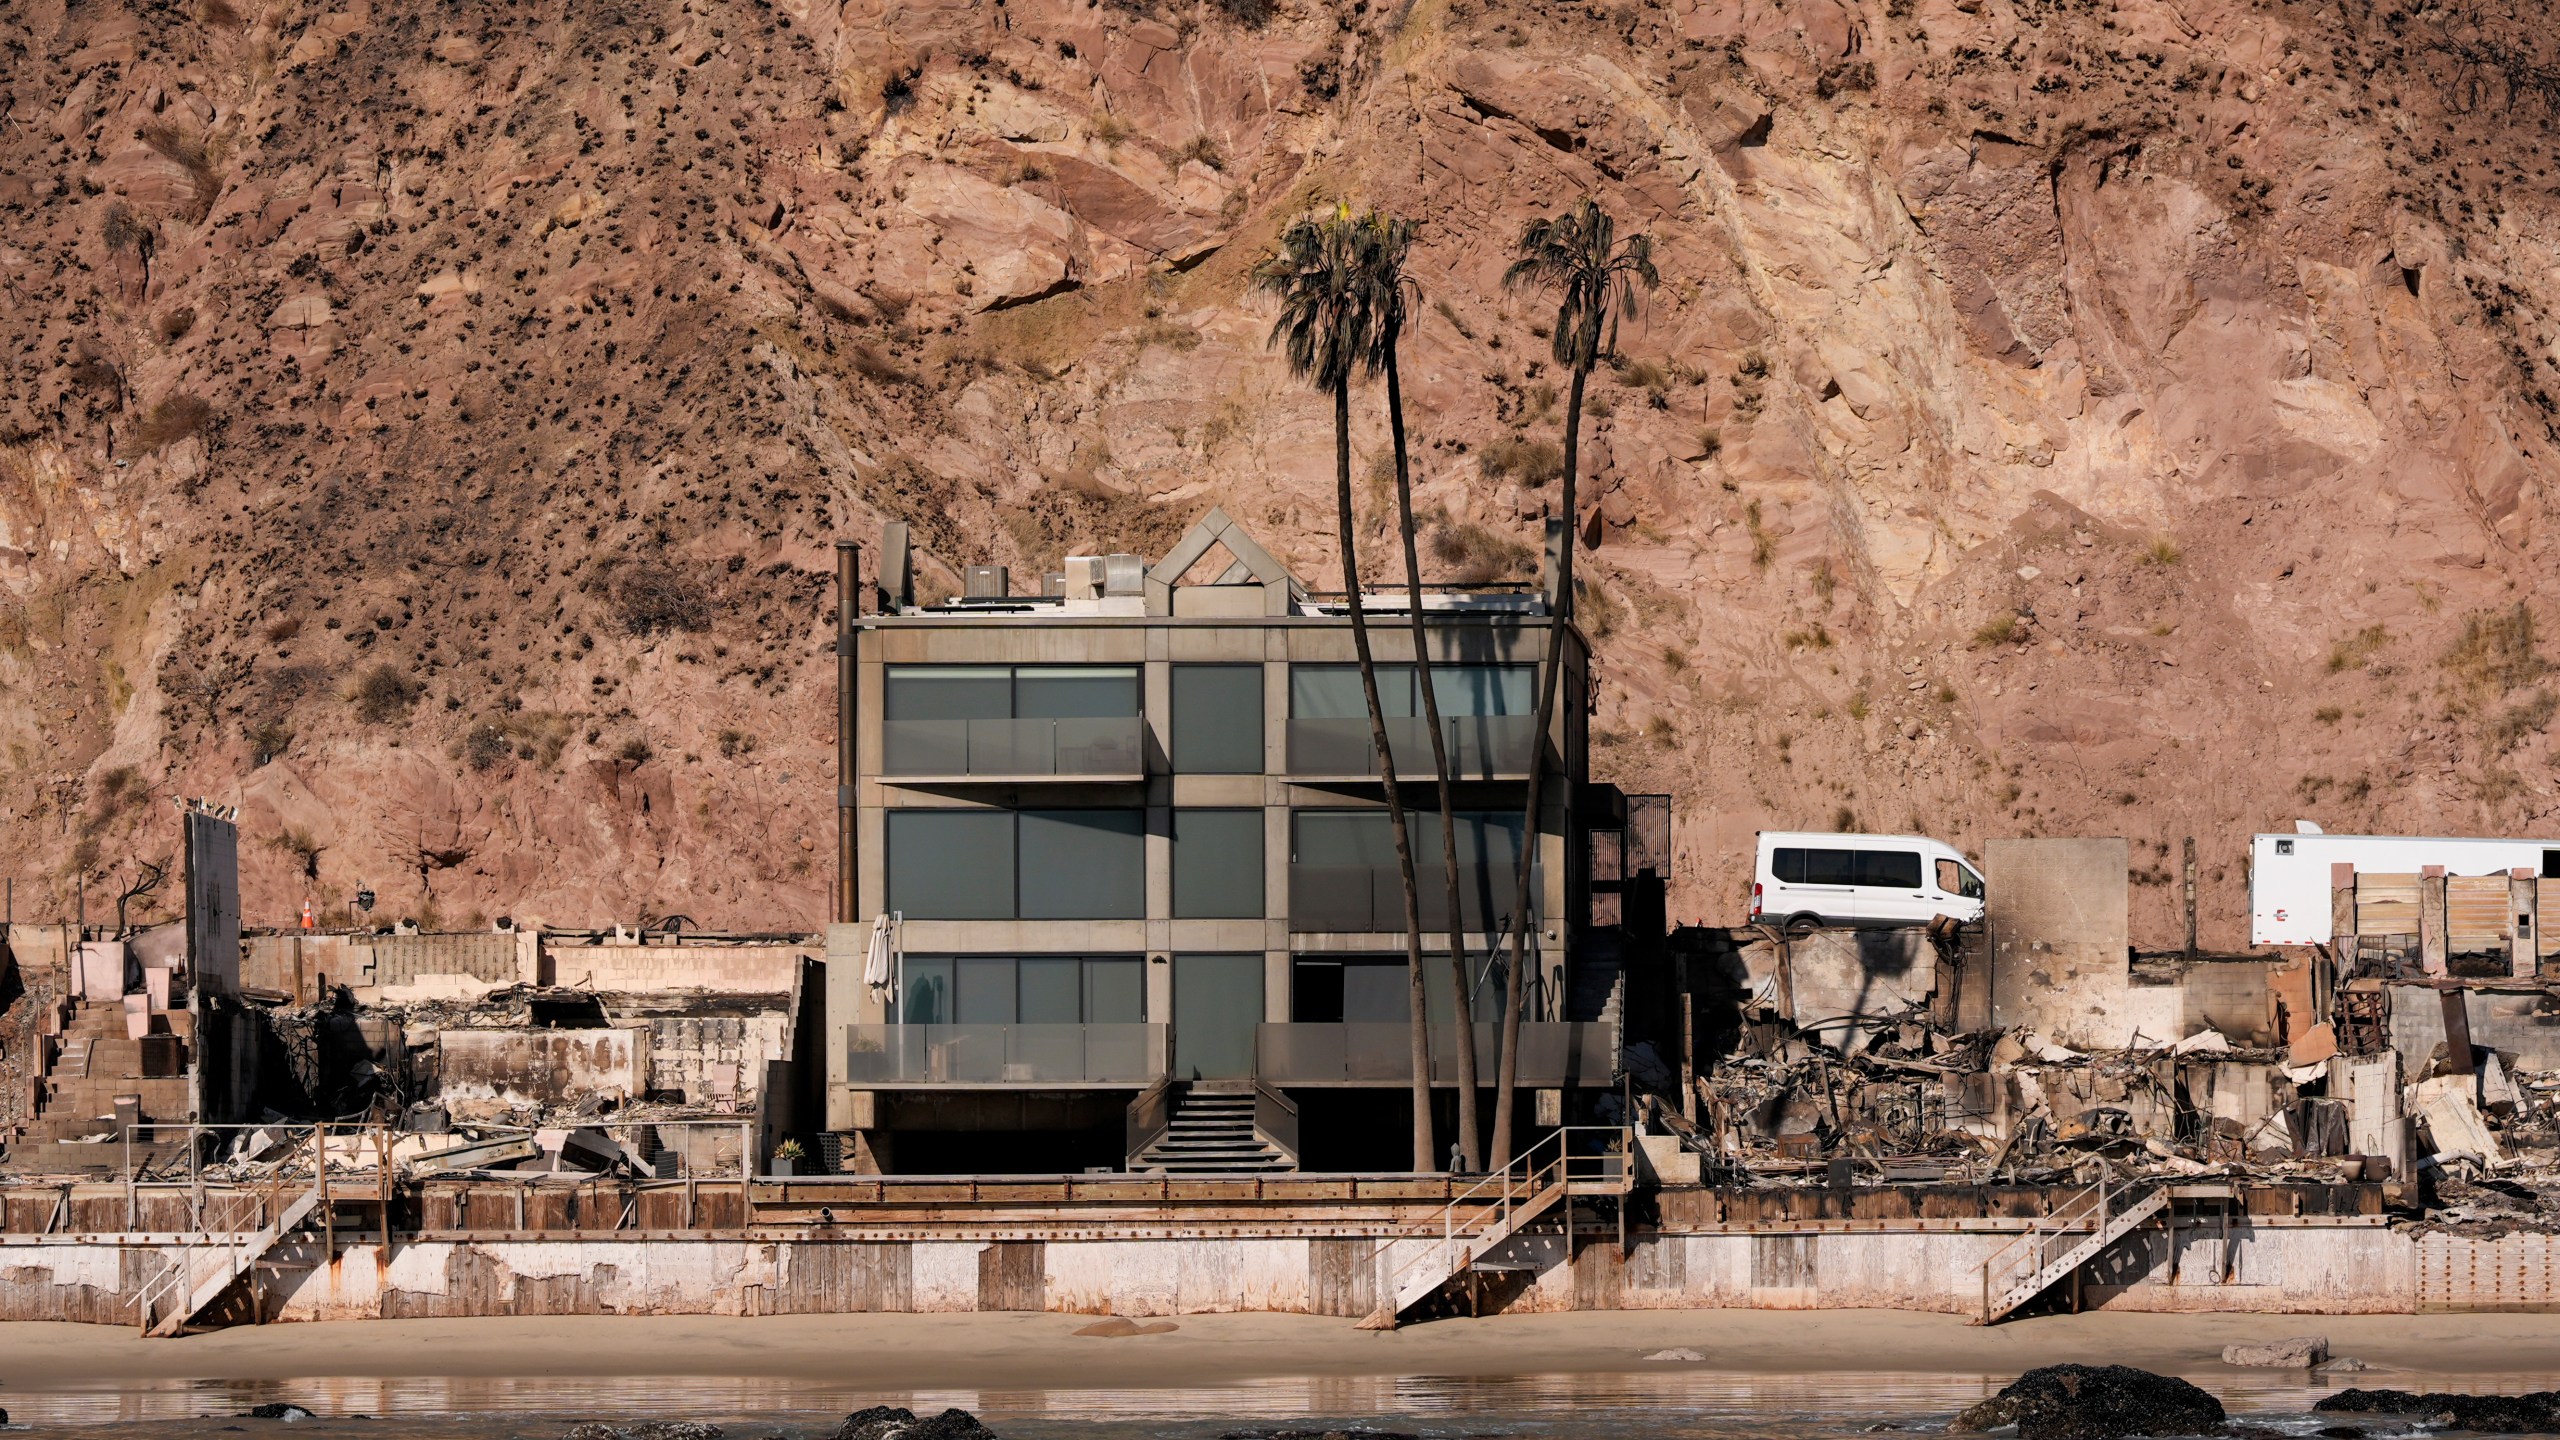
(1107, 747)
(1004, 1054)
(1552, 1053)
(1481, 747)
(1324, 898)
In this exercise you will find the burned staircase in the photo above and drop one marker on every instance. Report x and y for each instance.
(1416, 1263)
(1212, 1132)
(96, 1063)
(2077, 1232)
(201, 1271)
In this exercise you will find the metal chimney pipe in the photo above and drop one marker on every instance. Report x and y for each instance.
(848, 611)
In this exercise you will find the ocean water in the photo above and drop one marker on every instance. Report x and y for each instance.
(1684, 1404)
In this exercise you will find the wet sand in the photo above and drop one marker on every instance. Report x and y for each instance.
(1041, 1351)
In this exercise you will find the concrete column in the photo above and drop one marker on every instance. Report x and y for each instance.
(2524, 927)
(2431, 920)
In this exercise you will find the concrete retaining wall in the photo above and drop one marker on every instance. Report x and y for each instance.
(2301, 1269)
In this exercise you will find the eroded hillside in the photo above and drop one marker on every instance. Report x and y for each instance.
(426, 424)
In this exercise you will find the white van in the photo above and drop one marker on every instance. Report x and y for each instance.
(1806, 880)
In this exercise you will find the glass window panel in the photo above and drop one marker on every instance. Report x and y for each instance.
(1217, 1000)
(1484, 689)
(1217, 719)
(1830, 867)
(1342, 837)
(951, 864)
(1376, 992)
(1052, 991)
(1787, 865)
(1075, 692)
(1332, 692)
(1115, 991)
(1083, 865)
(1889, 869)
(1217, 864)
(986, 986)
(925, 996)
(948, 692)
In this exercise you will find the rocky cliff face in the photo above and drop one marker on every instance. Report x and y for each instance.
(425, 424)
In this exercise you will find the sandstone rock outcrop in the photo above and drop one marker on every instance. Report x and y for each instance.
(426, 427)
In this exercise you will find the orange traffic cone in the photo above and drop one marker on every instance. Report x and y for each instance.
(309, 920)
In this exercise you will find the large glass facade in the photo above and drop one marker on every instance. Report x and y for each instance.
(1485, 715)
(1022, 990)
(1217, 719)
(1343, 873)
(1011, 720)
(1025, 865)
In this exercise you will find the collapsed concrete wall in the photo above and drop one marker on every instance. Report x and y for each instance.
(2060, 939)
(544, 1067)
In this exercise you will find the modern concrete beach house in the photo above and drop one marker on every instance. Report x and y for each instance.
(1121, 889)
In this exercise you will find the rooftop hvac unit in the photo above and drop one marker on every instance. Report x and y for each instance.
(1053, 583)
(987, 582)
(1124, 575)
(1084, 577)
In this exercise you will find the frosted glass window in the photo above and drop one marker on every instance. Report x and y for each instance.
(1051, 991)
(1217, 864)
(1075, 692)
(951, 864)
(1217, 719)
(1083, 865)
(1115, 992)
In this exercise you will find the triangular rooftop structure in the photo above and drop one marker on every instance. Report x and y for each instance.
(1252, 566)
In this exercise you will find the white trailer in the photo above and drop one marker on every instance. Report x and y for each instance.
(2289, 874)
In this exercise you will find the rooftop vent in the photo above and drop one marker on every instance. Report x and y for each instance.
(988, 582)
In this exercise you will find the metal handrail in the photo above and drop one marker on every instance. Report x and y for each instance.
(2088, 1209)
(1529, 1174)
(244, 1213)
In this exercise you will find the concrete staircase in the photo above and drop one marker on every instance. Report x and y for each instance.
(1211, 1133)
(76, 1101)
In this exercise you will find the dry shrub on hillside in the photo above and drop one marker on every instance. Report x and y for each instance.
(172, 420)
(2496, 652)
(1531, 462)
(659, 598)
(383, 694)
(1472, 554)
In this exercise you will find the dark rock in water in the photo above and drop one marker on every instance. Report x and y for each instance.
(2341, 1432)
(645, 1430)
(593, 1431)
(278, 1410)
(2534, 1414)
(893, 1422)
(2095, 1402)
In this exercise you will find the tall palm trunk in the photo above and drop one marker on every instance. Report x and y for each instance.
(1424, 1161)
(1470, 1147)
(1551, 673)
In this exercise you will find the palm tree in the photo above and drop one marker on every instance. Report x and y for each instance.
(1389, 288)
(1576, 254)
(1325, 326)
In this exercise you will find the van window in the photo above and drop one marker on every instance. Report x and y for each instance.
(1889, 869)
(1816, 867)
(1955, 879)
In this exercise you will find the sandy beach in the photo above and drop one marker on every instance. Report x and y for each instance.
(1041, 1351)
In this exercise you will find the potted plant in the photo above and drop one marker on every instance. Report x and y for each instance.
(786, 1157)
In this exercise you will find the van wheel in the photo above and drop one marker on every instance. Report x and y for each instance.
(1802, 924)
